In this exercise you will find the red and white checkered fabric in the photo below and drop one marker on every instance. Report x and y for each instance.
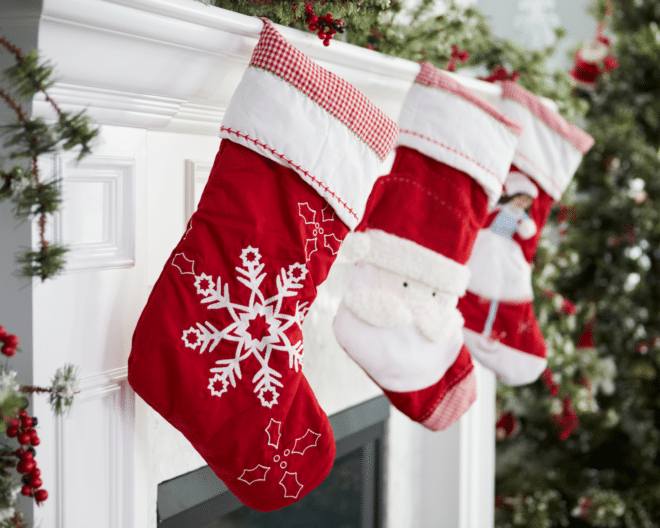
(576, 137)
(434, 78)
(337, 97)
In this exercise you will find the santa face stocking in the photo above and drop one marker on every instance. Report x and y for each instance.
(501, 330)
(218, 349)
(399, 320)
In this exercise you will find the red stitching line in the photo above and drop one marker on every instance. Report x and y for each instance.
(453, 150)
(290, 162)
(546, 176)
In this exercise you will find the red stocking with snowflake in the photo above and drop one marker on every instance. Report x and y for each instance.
(399, 320)
(501, 330)
(218, 349)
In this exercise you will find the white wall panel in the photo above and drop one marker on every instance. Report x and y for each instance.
(87, 318)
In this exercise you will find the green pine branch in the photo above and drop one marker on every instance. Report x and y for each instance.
(28, 138)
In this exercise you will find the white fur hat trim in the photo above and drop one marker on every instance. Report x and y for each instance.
(416, 262)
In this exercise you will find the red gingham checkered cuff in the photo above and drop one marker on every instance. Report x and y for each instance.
(337, 97)
(575, 136)
(434, 78)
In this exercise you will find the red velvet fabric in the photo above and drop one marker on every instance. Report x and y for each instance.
(253, 212)
(428, 202)
(442, 209)
(419, 405)
(515, 324)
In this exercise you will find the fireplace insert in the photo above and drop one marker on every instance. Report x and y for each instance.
(351, 496)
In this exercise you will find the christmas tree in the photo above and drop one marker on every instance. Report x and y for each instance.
(579, 447)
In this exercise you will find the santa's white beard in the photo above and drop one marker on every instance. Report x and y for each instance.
(382, 301)
(404, 345)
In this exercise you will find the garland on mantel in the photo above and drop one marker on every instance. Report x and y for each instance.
(33, 196)
(421, 33)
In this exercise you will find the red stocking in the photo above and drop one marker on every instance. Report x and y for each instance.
(501, 330)
(218, 349)
(399, 320)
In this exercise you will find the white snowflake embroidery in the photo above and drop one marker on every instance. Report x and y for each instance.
(289, 481)
(258, 329)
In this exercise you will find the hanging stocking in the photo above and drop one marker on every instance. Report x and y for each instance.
(501, 330)
(218, 349)
(399, 320)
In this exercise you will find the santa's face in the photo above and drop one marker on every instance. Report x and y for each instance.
(388, 300)
(396, 329)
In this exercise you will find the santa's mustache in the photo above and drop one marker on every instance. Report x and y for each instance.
(436, 319)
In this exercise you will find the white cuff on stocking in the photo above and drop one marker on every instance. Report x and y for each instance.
(451, 124)
(550, 149)
(289, 109)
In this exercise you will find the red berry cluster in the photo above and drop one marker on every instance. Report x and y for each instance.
(553, 386)
(9, 342)
(507, 426)
(500, 73)
(456, 55)
(326, 26)
(23, 429)
(567, 421)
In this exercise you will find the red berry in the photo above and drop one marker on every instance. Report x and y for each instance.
(328, 17)
(29, 465)
(321, 35)
(24, 438)
(27, 422)
(14, 423)
(313, 19)
(326, 42)
(27, 491)
(23, 413)
(36, 472)
(41, 495)
(12, 431)
(35, 441)
(8, 351)
(3, 332)
(313, 27)
(11, 340)
(33, 433)
(36, 482)
(27, 455)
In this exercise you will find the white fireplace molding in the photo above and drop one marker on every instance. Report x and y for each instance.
(174, 64)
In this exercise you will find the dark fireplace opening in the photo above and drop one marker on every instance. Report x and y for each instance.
(351, 496)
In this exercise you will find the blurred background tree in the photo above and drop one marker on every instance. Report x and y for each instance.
(579, 448)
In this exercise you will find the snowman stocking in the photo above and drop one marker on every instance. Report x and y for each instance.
(399, 320)
(501, 330)
(218, 348)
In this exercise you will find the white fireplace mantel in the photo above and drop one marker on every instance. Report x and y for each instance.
(157, 76)
(174, 64)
